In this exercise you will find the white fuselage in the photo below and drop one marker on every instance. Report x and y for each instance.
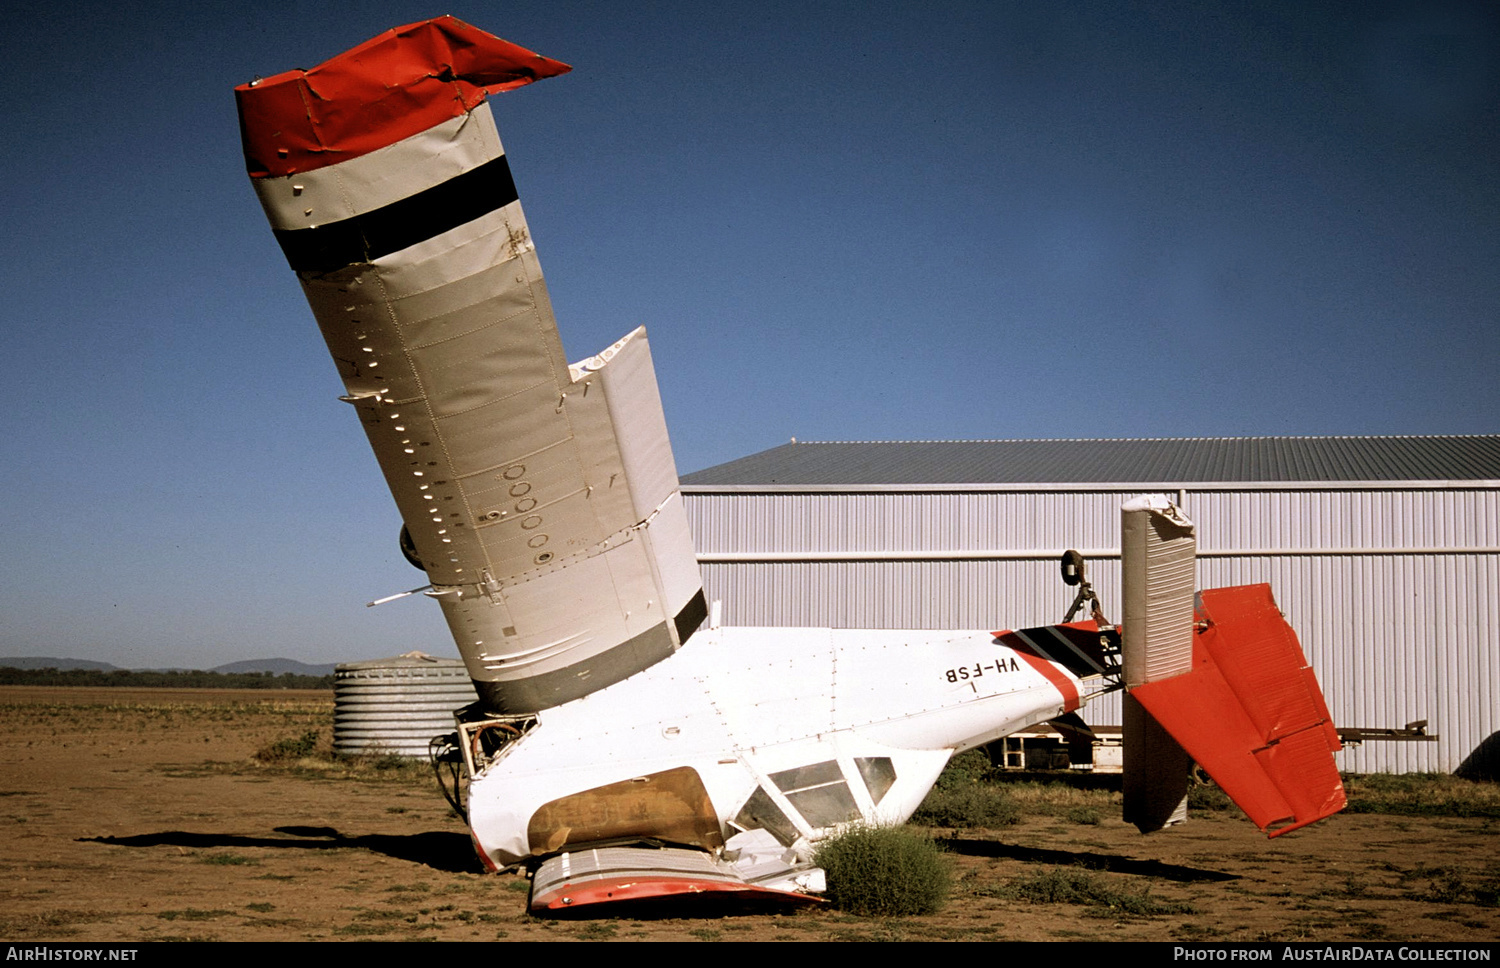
(776, 709)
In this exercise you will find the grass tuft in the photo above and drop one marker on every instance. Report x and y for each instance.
(1072, 886)
(1208, 796)
(968, 767)
(288, 750)
(1422, 795)
(964, 797)
(227, 860)
(194, 914)
(974, 805)
(1087, 816)
(1448, 885)
(884, 871)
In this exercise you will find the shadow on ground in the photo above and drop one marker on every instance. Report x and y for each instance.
(450, 852)
(1093, 860)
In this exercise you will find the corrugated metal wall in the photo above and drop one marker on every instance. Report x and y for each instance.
(1393, 590)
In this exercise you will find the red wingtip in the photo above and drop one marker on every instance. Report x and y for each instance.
(389, 88)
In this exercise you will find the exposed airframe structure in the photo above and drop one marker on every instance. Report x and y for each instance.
(541, 500)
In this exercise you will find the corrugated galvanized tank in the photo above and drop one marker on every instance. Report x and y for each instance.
(395, 705)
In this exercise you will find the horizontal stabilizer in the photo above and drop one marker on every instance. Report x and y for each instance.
(1250, 712)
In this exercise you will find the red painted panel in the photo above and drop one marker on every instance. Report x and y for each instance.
(389, 88)
(1205, 717)
(1250, 712)
(1060, 682)
(1085, 637)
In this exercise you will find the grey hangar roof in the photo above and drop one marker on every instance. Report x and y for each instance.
(956, 463)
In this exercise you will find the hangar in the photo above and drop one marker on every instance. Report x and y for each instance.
(1383, 552)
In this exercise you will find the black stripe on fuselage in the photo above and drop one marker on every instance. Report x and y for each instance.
(398, 225)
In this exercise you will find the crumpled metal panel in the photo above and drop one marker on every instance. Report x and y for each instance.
(671, 806)
(1251, 714)
(642, 877)
(391, 87)
(370, 182)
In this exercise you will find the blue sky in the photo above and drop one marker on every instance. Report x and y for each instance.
(839, 221)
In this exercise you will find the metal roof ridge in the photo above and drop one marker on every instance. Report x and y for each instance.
(1150, 485)
(1126, 440)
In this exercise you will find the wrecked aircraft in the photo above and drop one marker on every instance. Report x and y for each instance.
(621, 750)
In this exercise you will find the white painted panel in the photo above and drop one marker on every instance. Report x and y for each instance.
(390, 174)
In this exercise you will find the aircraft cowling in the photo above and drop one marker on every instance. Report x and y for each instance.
(541, 499)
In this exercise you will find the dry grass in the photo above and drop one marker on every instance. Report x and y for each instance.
(118, 830)
(1422, 795)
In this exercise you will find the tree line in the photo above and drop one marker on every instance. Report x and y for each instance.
(158, 680)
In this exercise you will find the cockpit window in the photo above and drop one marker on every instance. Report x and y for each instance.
(760, 811)
(802, 777)
(879, 774)
(819, 793)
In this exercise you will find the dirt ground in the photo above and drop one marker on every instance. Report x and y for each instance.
(139, 815)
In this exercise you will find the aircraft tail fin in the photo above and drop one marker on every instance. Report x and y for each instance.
(1218, 678)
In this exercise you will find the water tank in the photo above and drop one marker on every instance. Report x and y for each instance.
(394, 706)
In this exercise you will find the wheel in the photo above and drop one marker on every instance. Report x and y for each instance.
(1072, 567)
(409, 550)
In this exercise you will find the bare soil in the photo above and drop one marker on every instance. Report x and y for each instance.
(140, 815)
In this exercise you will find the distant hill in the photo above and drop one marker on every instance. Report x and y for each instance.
(276, 667)
(48, 662)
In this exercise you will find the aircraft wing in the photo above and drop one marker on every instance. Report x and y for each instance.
(541, 499)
